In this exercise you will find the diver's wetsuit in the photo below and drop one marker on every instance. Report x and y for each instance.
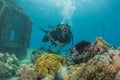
(56, 34)
(60, 35)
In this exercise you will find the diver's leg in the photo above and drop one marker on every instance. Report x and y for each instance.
(45, 38)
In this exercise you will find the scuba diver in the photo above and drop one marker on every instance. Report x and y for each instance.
(59, 35)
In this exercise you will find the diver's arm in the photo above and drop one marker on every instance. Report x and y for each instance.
(62, 44)
(56, 41)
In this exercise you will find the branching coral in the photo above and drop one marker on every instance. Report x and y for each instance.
(48, 64)
(99, 45)
(26, 72)
(8, 64)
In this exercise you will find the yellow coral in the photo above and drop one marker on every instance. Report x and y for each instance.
(48, 64)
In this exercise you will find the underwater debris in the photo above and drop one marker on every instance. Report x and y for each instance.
(59, 35)
(8, 65)
(15, 31)
(48, 64)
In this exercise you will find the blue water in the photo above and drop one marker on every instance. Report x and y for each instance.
(88, 18)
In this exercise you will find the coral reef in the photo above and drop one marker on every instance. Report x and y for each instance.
(101, 67)
(48, 77)
(38, 52)
(48, 64)
(99, 46)
(88, 51)
(75, 58)
(8, 65)
(71, 74)
(117, 76)
(35, 54)
(26, 72)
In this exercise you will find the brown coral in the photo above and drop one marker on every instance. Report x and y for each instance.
(86, 51)
(101, 67)
(98, 47)
(48, 64)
